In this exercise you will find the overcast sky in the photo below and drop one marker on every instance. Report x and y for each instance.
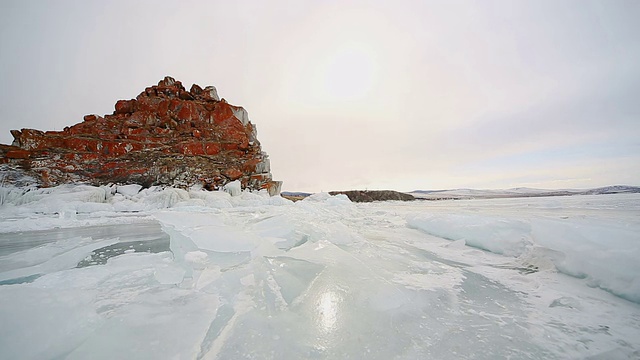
(357, 94)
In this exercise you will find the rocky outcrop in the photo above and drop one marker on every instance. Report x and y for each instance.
(165, 136)
(374, 195)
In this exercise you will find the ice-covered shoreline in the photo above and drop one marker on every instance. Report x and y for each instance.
(86, 205)
(253, 275)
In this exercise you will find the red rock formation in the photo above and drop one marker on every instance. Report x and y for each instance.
(165, 136)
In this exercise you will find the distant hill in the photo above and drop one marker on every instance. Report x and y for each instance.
(459, 194)
(615, 189)
(517, 192)
(374, 195)
(357, 195)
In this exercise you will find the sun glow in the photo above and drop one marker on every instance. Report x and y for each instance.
(343, 61)
(349, 75)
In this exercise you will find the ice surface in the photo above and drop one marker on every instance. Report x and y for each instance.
(498, 235)
(58, 257)
(606, 253)
(189, 274)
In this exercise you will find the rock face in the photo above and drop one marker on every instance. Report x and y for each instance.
(165, 136)
(374, 195)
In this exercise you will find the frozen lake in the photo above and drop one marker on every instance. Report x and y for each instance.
(103, 273)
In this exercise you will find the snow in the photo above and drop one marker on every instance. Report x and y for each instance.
(125, 272)
(233, 188)
(128, 190)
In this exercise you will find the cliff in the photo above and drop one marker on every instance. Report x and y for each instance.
(165, 136)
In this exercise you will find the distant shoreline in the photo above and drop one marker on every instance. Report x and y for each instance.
(466, 194)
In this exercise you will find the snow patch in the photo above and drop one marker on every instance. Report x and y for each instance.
(128, 190)
(233, 188)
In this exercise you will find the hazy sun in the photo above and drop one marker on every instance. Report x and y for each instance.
(340, 59)
(349, 75)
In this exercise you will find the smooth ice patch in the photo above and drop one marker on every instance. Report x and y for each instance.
(49, 258)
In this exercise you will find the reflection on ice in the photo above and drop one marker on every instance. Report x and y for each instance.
(327, 311)
(217, 277)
